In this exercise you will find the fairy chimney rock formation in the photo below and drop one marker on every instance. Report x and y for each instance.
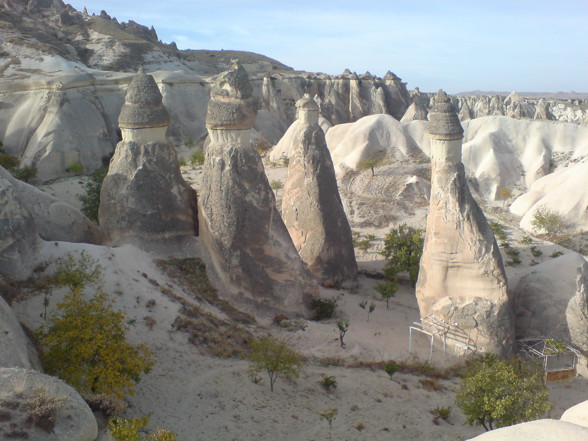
(311, 207)
(461, 278)
(144, 198)
(143, 117)
(245, 237)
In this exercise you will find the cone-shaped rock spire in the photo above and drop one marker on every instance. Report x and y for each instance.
(143, 107)
(231, 105)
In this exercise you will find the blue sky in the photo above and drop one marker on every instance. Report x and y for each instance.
(457, 45)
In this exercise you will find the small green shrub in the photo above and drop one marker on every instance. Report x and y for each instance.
(343, 327)
(387, 290)
(514, 261)
(75, 167)
(391, 368)
(556, 254)
(133, 429)
(527, 240)
(441, 412)
(91, 199)
(25, 174)
(276, 185)
(363, 242)
(329, 416)
(536, 252)
(364, 305)
(549, 221)
(328, 383)
(276, 358)
(512, 252)
(197, 158)
(182, 161)
(7, 161)
(323, 309)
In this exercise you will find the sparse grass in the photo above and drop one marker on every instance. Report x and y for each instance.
(197, 158)
(215, 336)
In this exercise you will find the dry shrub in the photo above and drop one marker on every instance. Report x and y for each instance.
(431, 384)
(109, 405)
(42, 408)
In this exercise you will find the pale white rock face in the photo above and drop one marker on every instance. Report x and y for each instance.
(74, 421)
(559, 192)
(539, 430)
(53, 218)
(312, 209)
(13, 341)
(371, 136)
(461, 277)
(577, 414)
(545, 297)
(283, 148)
(19, 238)
(143, 136)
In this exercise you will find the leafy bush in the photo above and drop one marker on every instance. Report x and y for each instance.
(550, 221)
(556, 254)
(276, 358)
(197, 158)
(328, 383)
(85, 344)
(369, 163)
(133, 429)
(391, 368)
(536, 252)
(75, 167)
(499, 393)
(91, 200)
(527, 240)
(403, 248)
(323, 308)
(276, 185)
(7, 161)
(25, 174)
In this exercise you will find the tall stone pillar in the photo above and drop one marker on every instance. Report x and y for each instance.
(461, 278)
(244, 235)
(144, 197)
(311, 207)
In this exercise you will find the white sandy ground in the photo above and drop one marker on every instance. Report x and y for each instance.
(205, 398)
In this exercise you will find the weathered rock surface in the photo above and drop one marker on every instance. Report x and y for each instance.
(53, 218)
(13, 341)
(73, 419)
(415, 112)
(545, 293)
(461, 278)
(311, 207)
(577, 414)
(577, 312)
(539, 430)
(143, 196)
(245, 236)
(19, 239)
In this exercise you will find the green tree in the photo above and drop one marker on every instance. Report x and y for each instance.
(387, 290)
(550, 221)
(85, 343)
(403, 248)
(276, 358)
(497, 393)
(91, 199)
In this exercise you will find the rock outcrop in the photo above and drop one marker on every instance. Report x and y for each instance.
(40, 407)
(548, 295)
(577, 414)
(461, 278)
(13, 341)
(19, 239)
(539, 430)
(415, 112)
(53, 218)
(311, 206)
(144, 197)
(247, 241)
